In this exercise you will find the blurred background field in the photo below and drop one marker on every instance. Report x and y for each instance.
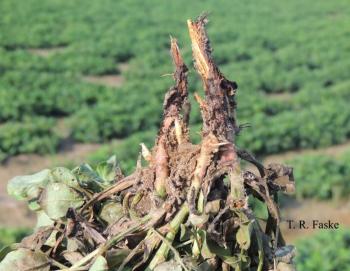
(82, 80)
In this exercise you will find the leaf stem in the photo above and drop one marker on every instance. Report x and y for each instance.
(174, 226)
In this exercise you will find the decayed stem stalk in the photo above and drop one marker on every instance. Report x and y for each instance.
(218, 112)
(208, 148)
(218, 115)
(173, 104)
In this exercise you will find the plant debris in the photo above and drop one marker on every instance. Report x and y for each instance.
(187, 209)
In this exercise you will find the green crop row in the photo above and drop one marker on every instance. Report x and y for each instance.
(46, 94)
(32, 135)
(10, 236)
(326, 251)
(315, 126)
(322, 177)
(307, 56)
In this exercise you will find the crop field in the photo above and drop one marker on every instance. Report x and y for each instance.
(95, 73)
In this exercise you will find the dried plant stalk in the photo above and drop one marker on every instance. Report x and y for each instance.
(189, 205)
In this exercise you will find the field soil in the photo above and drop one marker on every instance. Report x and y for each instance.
(109, 80)
(46, 52)
(333, 151)
(106, 80)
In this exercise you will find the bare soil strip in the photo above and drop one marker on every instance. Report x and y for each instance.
(333, 151)
(110, 80)
(284, 96)
(46, 52)
(106, 80)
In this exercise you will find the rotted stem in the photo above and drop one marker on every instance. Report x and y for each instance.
(208, 149)
(218, 113)
(172, 124)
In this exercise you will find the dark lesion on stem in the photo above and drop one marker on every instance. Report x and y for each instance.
(173, 130)
(218, 113)
(219, 116)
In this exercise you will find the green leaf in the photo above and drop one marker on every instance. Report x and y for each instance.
(25, 259)
(28, 186)
(57, 198)
(100, 264)
(206, 250)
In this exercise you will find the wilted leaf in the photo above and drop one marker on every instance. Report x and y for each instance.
(212, 207)
(57, 198)
(36, 240)
(243, 235)
(72, 256)
(6, 250)
(74, 244)
(285, 254)
(198, 219)
(210, 249)
(64, 175)
(168, 266)
(34, 205)
(184, 233)
(285, 267)
(43, 220)
(116, 256)
(111, 212)
(100, 264)
(88, 178)
(28, 186)
(51, 240)
(109, 170)
(25, 259)
(204, 266)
